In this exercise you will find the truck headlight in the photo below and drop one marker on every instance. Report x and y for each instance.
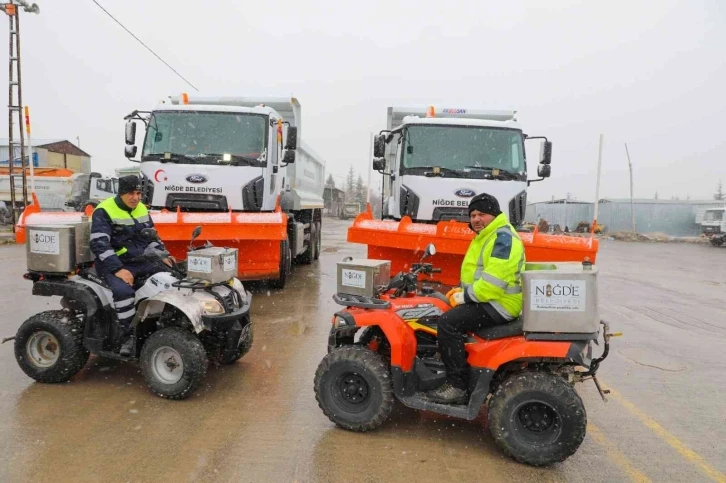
(212, 307)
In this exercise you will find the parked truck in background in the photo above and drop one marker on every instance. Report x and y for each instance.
(220, 162)
(350, 210)
(713, 225)
(57, 189)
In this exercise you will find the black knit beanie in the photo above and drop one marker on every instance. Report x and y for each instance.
(485, 203)
(128, 184)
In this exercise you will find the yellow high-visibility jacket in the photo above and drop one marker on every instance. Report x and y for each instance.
(492, 267)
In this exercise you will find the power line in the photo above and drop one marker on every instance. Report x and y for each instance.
(142, 43)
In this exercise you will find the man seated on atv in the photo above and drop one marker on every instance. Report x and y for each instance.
(116, 238)
(490, 292)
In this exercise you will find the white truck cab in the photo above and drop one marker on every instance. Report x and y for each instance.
(714, 221)
(205, 157)
(437, 163)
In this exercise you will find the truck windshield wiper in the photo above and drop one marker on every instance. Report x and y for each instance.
(445, 172)
(236, 159)
(174, 158)
(501, 172)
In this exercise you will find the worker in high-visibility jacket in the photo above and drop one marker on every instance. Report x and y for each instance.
(116, 240)
(490, 292)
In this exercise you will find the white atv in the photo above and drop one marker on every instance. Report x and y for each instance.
(181, 322)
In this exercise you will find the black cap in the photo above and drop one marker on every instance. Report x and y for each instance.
(128, 184)
(485, 203)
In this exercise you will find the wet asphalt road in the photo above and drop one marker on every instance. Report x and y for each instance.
(258, 421)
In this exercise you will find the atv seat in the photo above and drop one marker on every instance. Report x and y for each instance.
(91, 275)
(510, 329)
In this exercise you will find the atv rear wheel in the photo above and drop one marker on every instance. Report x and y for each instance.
(173, 362)
(353, 388)
(537, 418)
(243, 346)
(49, 346)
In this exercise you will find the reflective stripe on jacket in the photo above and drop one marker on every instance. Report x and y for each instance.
(116, 232)
(492, 268)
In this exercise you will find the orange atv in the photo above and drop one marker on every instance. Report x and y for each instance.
(534, 413)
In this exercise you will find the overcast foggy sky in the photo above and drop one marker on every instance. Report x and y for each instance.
(652, 74)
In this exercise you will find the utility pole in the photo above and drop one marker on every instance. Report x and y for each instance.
(15, 99)
(632, 208)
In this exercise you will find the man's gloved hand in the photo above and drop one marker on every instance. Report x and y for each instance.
(457, 298)
(453, 291)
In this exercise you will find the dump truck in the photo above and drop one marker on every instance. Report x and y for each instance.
(434, 162)
(221, 163)
(57, 189)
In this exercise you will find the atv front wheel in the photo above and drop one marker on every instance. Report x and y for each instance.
(537, 418)
(49, 346)
(353, 388)
(243, 346)
(173, 362)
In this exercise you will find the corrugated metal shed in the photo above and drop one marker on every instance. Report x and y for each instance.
(672, 217)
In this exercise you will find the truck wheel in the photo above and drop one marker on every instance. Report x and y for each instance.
(49, 346)
(173, 362)
(716, 241)
(318, 239)
(243, 346)
(285, 261)
(537, 418)
(308, 255)
(353, 388)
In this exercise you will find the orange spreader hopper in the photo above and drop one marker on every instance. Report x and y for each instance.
(403, 243)
(256, 236)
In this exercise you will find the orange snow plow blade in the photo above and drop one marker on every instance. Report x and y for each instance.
(404, 242)
(256, 236)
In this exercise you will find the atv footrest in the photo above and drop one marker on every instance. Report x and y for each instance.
(419, 401)
(348, 300)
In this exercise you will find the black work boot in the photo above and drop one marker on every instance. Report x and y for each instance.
(447, 394)
(128, 348)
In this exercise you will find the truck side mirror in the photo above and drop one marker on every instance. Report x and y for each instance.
(379, 164)
(130, 151)
(289, 158)
(546, 153)
(130, 132)
(291, 138)
(544, 170)
(379, 146)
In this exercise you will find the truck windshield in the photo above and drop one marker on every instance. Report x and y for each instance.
(196, 136)
(713, 215)
(463, 148)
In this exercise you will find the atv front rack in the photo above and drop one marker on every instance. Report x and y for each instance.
(347, 300)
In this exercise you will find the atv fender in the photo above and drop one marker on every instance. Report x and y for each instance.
(496, 353)
(400, 336)
(189, 304)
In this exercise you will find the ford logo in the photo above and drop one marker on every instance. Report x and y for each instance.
(197, 178)
(464, 193)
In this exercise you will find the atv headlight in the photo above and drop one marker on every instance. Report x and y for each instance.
(212, 307)
(339, 322)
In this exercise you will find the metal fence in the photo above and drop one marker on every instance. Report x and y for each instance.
(670, 218)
